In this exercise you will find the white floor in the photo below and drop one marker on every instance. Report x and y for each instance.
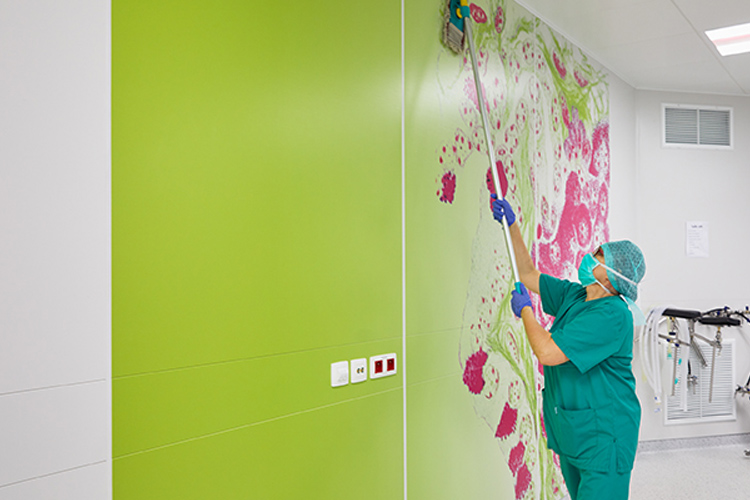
(699, 470)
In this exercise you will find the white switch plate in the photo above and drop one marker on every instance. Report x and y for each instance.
(359, 370)
(339, 373)
(383, 365)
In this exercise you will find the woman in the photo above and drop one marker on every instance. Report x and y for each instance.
(591, 412)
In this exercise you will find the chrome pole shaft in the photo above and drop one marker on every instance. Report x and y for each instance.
(488, 144)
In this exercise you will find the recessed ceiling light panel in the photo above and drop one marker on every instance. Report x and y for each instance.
(731, 40)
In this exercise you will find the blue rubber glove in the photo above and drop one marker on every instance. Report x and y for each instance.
(501, 208)
(519, 300)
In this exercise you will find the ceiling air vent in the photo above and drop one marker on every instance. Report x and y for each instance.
(706, 127)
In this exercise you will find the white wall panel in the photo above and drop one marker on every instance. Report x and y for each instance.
(52, 430)
(622, 146)
(54, 192)
(85, 483)
(55, 264)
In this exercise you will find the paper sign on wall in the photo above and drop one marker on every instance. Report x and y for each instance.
(696, 239)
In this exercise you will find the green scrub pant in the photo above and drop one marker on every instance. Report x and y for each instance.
(591, 485)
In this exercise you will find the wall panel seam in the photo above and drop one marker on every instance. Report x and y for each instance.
(251, 358)
(403, 253)
(254, 424)
(53, 387)
(56, 473)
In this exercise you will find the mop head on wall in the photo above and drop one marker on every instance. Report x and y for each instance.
(453, 32)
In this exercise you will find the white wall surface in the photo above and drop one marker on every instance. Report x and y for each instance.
(622, 150)
(55, 267)
(679, 185)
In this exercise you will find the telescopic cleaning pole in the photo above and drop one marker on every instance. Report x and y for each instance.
(458, 27)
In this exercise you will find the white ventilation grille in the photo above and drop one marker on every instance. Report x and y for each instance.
(680, 126)
(697, 127)
(690, 403)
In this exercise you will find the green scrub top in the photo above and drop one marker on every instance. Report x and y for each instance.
(590, 405)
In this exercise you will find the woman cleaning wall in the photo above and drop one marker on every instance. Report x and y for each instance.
(591, 410)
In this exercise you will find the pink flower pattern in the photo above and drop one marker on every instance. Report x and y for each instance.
(478, 14)
(449, 187)
(515, 460)
(577, 144)
(499, 20)
(559, 66)
(473, 377)
(507, 424)
(523, 481)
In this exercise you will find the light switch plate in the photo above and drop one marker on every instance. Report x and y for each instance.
(339, 373)
(382, 365)
(359, 370)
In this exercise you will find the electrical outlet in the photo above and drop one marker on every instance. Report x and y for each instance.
(359, 370)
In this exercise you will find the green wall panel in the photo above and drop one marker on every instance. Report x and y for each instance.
(178, 405)
(256, 239)
(449, 454)
(256, 179)
(331, 452)
(433, 356)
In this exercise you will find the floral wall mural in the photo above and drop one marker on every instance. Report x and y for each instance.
(548, 109)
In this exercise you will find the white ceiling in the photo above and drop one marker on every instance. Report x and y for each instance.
(655, 44)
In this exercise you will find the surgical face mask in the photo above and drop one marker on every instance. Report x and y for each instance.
(586, 270)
